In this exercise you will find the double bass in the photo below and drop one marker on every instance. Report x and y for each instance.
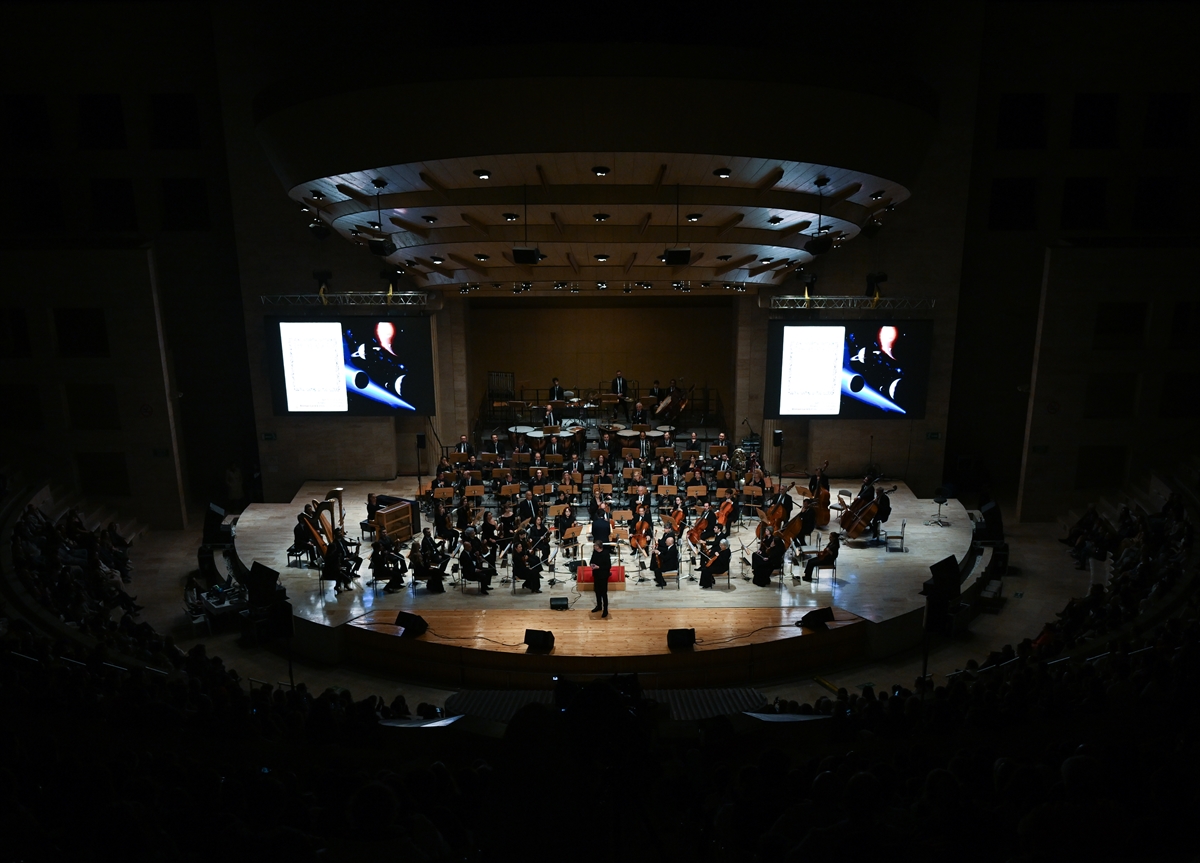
(859, 515)
(772, 516)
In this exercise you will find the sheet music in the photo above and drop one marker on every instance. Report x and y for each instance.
(314, 368)
(810, 380)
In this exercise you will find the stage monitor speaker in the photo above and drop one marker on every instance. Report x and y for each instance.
(413, 625)
(993, 523)
(524, 255)
(777, 437)
(420, 440)
(539, 639)
(262, 584)
(817, 618)
(677, 257)
(559, 603)
(945, 581)
(681, 639)
(216, 532)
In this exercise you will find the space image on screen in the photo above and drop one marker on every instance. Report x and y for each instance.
(847, 369)
(364, 366)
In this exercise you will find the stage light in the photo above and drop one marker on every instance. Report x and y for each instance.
(318, 229)
(430, 219)
(627, 290)
(479, 256)
(602, 258)
(602, 286)
(438, 259)
(723, 173)
(374, 225)
(694, 217)
(464, 290)
(558, 286)
(510, 217)
(316, 195)
(875, 196)
(600, 217)
(724, 257)
(574, 290)
(600, 171)
(766, 260)
(775, 220)
(483, 173)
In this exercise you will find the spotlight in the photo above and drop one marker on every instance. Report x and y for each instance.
(438, 259)
(316, 195)
(379, 183)
(602, 286)
(483, 173)
(694, 217)
(602, 258)
(724, 257)
(627, 290)
(874, 280)
(662, 258)
(646, 286)
(317, 228)
(374, 225)
(600, 171)
(510, 217)
(723, 173)
(775, 220)
(574, 290)
(706, 284)
(464, 290)
(875, 196)
(430, 219)
(383, 248)
(481, 257)
(600, 217)
(558, 286)
(766, 260)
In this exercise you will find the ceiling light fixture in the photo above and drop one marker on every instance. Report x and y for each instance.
(480, 256)
(628, 289)
(600, 217)
(438, 259)
(875, 196)
(430, 219)
(602, 286)
(723, 173)
(602, 258)
(316, 195)
(694, 217)
(724, 257)
(766, 260)
(510, 217)
(601, 171)
(775, 220)
(483, 173)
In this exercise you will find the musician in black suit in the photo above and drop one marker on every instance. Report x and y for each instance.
(808, 520)
(657, 391)
(768, 558)
(464, 446)
(563, 522)
(528, 508)
(818, 480)
(601, 564)
(620, 387)
(645, 447)
(718, 563)
(784, 498)
(302, 537)
(883, 511)
(574, 464)
(554, 447)
(665, 560)
(611, 445)
(639, 415)
(601, 526)
(495, 446)
(474, 568)
(522, 446)
(549, 418)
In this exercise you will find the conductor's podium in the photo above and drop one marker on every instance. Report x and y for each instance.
(616, 580)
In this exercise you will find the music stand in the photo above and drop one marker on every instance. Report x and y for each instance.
(664, 452)
(554, 458)
(474, 491)
(622, 514)
(641, 427)
(628, 452)
(555, 510)
(604, 487)
(488, 457)
(689, 454)
(594, 454)
(457, 457)
(443, 493)
(716, 450)
(697, 491)
(570, 539)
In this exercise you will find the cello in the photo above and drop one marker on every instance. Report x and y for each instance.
(725, 511)
(772, 517)
(697, 529)
(640, 537)
(859, 515)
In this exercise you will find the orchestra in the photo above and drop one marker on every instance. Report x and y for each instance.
(486, 513)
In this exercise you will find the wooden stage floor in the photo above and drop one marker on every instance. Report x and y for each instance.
(871, 585)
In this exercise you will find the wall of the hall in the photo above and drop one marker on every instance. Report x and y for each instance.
(584, 347)
(1114, 395)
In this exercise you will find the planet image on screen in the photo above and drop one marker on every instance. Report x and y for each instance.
(373, 366)
(872, 372)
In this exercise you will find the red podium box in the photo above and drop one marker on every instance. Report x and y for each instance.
(616, 581)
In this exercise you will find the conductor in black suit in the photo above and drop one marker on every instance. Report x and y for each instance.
(601, 564)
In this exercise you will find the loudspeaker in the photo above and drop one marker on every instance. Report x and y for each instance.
(945, 581)
(381, 247)
(261, 584)
(817, 618)
(777, 437)
(413, 624)
(559, 603)
(539, 639)
(526, 255)
(420, 440)
(677, 257)
(819, 245)
(681, 639)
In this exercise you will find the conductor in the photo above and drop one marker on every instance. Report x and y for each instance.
(601, 565)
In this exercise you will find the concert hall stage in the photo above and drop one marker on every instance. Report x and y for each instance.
(744, 633)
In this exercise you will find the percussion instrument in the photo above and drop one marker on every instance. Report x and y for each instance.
(520, 429)
(665, 428)
(654, 434)
(627, 433)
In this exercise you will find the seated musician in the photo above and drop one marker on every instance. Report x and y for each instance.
(529, 509)
(557, 394)
(708, 518)
(539, 538)
(574, 464)
(372, 507)
(667, 441)
(720, 441)
(715, 564)
(782, 498)
(441, 480)
(527, 566)
(387, 564)
(463, 446)
(444, 465)
(640, 498)
(729, 506)
(422, 570)
(678, 508)
(341, 563)
(554, 446)
(432, 556)
(563, 521)
(756, 479)
(537, 477)
(645, 447)
(441, 525)
(663, 479)
(665, 560)
(302, 538)
(536, 463)
(508, 521)
(489, 532)
(603, 474)
(808, 520)
(611, 445)
(641, 525)
(866, 491)
(768, 558)
(501, 479)
(693, 443)
(722, 464)
(473, 566)
(563, 497)
(638, 417)
(495, 447)
(824, 557)
(550, 418)
(883, 511)
(657, 391)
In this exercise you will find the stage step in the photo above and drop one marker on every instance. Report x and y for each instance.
(499, 705)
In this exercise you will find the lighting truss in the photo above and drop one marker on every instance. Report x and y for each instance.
(786, 301)
(418, 299)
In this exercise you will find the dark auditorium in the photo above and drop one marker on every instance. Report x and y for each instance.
(615, 432)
